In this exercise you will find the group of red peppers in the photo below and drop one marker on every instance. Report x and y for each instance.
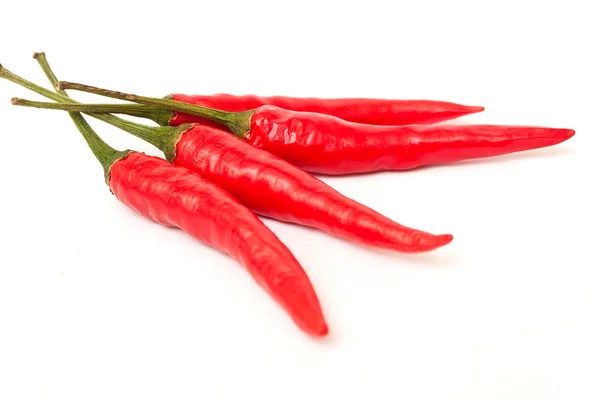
(230, 157)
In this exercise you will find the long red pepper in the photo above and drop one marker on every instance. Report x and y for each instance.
(177, 197)
(358, 110)
(329, 145)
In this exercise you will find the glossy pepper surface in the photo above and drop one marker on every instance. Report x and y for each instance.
(329, 145)
(359, 110)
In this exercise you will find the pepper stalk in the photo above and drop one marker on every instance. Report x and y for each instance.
(161, 137)
(237, 122)
(164, 138)
(158, 115)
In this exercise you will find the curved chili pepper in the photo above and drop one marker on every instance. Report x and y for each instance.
(177, 197)
(358, 110)
(274, 188)
(329, 145)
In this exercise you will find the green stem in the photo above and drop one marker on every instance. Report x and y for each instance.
(8, 75)
(105, 154)
(164, 138)
(43, 62)
(158, 115)
(71, 107)
(238, 122)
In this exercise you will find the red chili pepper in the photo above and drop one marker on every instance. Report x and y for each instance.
(332, 146)
(359, 110)
(329, 145)
(177, 197)
(274, 188)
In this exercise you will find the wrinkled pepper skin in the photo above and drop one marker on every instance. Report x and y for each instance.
(176, 197)
(274, 188)
(328, 145)
(358, 110)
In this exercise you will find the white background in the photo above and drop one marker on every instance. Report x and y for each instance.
(96, 301)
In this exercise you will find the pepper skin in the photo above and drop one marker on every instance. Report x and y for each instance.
(176, 197)
(358, 110)
(272, 187)
(329, 145)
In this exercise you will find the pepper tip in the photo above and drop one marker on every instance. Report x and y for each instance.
(437, 241)
(570, 133)
(313, 324)
(561, 135)
(443, 240)
(321, 330)
(425, 242)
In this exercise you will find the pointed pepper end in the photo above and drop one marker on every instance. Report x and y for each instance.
(313, 324)
(557, 136)
(566, 134)
(310, 319)
(320, 330)
(428, 242)
(475, 109)
(453, 111)
(442, 240)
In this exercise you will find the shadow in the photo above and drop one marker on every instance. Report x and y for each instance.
(436, 258)
(331, 340)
